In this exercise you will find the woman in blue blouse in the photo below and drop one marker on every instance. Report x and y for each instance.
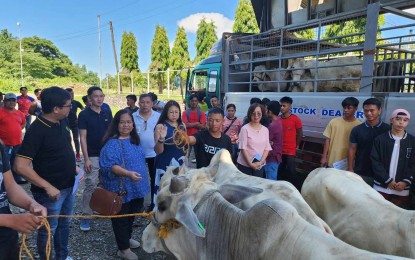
(123, 167)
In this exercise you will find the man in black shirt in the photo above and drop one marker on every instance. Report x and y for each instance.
(361, 140)
(10, 223)
(47, 145)
(73, 123)
(208, 142)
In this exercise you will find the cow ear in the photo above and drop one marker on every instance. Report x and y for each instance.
(188, 218)
(237, 193)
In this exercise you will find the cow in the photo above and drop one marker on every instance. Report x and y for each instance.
(222, 171)
(298, 68)
(261, 74)
(358, 214)
(213, 228)
(391, 68)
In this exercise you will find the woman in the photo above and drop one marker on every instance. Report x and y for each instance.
(253, 143)
(168, 153)
(123, 168)
(231, 127)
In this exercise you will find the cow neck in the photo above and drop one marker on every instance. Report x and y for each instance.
(204, 199)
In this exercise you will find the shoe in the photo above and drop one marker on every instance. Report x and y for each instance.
(85, 225)
(78, 157)
(134, 243)
(193, 160)
(127, 254)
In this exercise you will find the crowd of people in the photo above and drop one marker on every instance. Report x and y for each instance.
(130, 152)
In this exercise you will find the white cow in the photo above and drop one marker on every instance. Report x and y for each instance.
(222, 171)
(261, 74)
(358, 214)
(215, 229)
(306, 71)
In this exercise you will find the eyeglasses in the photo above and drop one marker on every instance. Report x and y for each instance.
(256, 114)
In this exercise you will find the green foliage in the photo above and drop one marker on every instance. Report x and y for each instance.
(350, 27)
(41, 60)
(129, 52)
(179, 57)
(160, 52)
(245, 21)
(205, 38)
(308, 34)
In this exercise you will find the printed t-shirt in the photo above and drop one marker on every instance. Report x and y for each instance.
(207, 146)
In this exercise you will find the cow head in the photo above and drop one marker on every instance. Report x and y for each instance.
(177, 201)
(296, 69)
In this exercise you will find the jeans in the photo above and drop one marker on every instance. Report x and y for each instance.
(235, 151)
(11, 152)
(271, 170)
(59, 226)
(75, 137)
(28, 121)
(123, 227)
(91, 181)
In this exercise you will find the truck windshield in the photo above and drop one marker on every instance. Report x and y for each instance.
(199, 81)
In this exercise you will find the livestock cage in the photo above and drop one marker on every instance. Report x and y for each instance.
(345, 52)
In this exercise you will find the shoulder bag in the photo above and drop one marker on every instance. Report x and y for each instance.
(106, 202)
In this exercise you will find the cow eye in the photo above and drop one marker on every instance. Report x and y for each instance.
(161, 206)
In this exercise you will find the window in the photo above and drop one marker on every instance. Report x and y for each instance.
(212, 80)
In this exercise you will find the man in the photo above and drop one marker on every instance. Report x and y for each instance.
(131, 99)
(275, 138)
(92, 123)
(292, 134)
(10, 223)
(214, 102)
(361, 140)
(208, 142)
(36, 107)
(193, 118)
(73, 122)
(157, 104)
(24, 102)
(47, 146)
(393, 158)
(145, 120)
(12, 121)
(337, 135)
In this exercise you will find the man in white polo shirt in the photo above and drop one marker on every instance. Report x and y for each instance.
(145, 120)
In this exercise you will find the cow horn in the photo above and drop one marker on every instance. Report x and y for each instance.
(178, 184)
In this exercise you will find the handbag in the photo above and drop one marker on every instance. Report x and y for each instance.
(106, 202)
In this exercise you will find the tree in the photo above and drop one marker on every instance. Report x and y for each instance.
(160, 52)
(129, 52)
(205, 38)
(350, 27)
(179, 57)
(245, 20)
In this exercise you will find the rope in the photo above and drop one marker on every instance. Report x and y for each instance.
(180, 139)
(164, 229)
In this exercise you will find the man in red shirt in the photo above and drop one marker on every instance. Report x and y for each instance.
(12, 121)
(292, 134)
(24, 102)
(194, 118)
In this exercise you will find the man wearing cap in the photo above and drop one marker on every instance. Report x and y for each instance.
(12, 121)
(24, 102)
(393, 160)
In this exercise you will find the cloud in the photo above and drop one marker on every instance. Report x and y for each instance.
(222, 23)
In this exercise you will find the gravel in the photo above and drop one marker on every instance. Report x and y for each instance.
(99, 242)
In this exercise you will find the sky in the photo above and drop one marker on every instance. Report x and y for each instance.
(73, 25)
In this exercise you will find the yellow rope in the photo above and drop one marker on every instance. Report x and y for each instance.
(180, 139)
(164, 229)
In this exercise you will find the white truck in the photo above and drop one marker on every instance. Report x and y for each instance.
(241, 65)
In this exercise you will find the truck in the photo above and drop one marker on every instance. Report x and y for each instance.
(300, 30)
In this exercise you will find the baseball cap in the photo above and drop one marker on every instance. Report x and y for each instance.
(396, 112)
(10, 96)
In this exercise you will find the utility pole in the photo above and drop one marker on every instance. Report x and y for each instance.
(99, 49)
(21, 55)
(116, 60)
